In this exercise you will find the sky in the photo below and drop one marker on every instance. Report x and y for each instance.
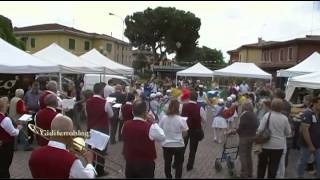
(224, 25)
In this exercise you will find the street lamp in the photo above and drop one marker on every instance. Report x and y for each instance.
(111, 14)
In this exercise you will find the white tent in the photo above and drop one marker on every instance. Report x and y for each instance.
(309, 65)
(238, 69)
(68, 62)
(16, 61)
(311, 80)
(111, 67)
(197, 70)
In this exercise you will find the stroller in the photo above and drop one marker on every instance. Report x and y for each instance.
(229, 154)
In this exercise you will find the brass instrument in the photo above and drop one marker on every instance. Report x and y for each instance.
(78, 148)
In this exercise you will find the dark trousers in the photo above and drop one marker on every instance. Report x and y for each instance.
(141, 169)
(269, 158)
(192, 148)
(6, 155)
(101, 160)
(245, 150)
(168, 153)
(114, 121)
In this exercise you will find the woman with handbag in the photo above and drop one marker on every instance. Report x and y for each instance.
(272, 132)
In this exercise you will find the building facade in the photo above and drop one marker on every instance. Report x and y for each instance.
(75, 41)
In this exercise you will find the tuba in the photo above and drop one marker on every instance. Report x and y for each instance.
(78, 148)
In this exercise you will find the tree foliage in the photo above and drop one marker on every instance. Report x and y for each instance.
(205, 55)
(140, 61)
(163, 30)
(6, 33)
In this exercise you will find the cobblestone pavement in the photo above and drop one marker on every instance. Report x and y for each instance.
(203, 168)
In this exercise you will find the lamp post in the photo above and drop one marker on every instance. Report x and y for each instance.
(111, 14)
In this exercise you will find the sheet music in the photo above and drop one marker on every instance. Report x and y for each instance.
(184, 118)
(111, 99)
(98, 140)
(68, 103)
(117, 105)
(26, 117)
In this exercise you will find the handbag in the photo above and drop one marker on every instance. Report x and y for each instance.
(265, 135)
(198, 134)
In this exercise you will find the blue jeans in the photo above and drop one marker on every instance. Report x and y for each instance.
(304, 157)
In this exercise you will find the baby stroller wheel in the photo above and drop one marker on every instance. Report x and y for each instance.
(231, 173)
(230, 163)
(217, 166)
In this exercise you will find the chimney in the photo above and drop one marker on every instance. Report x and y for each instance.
(260, 41)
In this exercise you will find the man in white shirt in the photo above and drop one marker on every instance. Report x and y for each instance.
(55, 161)
(138, 149)
(244, 87)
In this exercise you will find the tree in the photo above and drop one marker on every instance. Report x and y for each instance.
(163, 30)
(206, 56)
(140, 61)
(6, 33)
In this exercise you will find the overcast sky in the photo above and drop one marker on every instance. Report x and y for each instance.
(224, 25)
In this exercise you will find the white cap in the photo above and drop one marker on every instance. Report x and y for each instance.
(233, 96)
(201, 86)
(153, 95)
(220, 101)
(169, 91)
(229, 98)
(159, 94)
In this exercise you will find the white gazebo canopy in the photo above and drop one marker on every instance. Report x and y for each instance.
(197, 70)
(309, 65)
(69, 63)
(311, 80)
(111, 67)
(16, 61)
(238, 69)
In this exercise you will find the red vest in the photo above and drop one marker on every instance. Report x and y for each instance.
(41, 99)
(4, 136)
(137, 144)
(44, 119)
(51, 163)
(192, 111)
(126, 111)
(96, 114)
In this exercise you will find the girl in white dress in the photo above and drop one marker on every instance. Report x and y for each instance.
(219, 123)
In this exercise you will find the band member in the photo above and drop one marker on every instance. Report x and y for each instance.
(139, 135)
(114, 121)
(126, 109)
(52, 88)
(99, 111)
(196, 115)
(45, 116)
(16, 110)
(54, 161)
(7, 133)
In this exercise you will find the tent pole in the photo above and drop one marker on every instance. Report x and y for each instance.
(60, 81)
(176, 80)
(104, 74)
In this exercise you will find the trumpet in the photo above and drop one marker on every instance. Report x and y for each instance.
(78, 147)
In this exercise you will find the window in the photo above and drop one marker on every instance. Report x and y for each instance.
(281, 58)
(270, 56)
(265, 56)
(290, 53)
(86, 45)
(109, 47)
(72, 44)
(33, 42)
